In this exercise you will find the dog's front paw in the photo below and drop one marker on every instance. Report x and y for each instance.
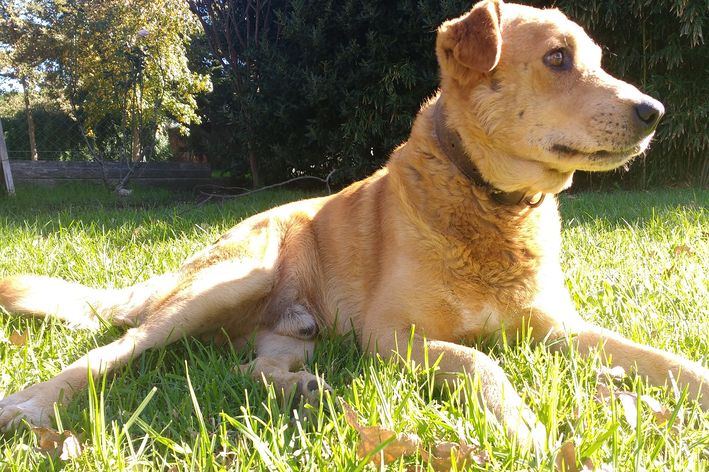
(702, 395)
(525, 429)
(29, 405)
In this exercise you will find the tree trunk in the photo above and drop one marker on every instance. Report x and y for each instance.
(135, 154)
(253, 163)
(251, 147)
(30, 120)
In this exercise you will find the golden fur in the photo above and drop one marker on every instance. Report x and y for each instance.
(419, 243)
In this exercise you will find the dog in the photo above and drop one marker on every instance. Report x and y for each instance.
(458, 236)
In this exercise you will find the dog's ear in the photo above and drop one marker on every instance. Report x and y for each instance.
(471, 42)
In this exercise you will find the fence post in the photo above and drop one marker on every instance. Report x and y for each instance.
(6, 171)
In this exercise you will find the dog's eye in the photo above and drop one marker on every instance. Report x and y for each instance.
(557, 59)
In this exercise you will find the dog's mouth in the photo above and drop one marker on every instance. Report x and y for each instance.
(600, 159)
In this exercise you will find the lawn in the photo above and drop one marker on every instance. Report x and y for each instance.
(635, 262)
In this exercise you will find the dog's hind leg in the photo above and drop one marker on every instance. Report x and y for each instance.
(224, 294)
(78, 305)
(278, 361)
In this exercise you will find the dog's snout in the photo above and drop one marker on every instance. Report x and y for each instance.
(648, 113)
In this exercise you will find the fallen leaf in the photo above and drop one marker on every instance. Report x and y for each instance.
(565, 460)
(603, 393)
(662, 414)
(444, 455)
(679, 250)
(629, 400)
(18, 339)
(71, 448)
(630, 407)
(52, 442)
(373, 436)
(48, 438)
(616, 373)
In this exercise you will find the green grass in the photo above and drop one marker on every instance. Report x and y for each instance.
(184, 408)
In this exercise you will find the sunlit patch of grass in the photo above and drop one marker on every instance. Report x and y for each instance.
(184, 408)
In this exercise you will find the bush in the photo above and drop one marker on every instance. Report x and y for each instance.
(344, 83)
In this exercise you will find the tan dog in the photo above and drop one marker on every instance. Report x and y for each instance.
(453, 237)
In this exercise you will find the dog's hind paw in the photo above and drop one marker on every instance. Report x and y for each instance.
(296, 387)
(308, 388)
(297, 322)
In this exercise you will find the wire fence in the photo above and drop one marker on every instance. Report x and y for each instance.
(58, 135)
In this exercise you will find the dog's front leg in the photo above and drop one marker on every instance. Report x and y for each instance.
(35, 404)
(496, 392)
(657, 365)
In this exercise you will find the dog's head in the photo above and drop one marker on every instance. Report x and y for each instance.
(525, 90)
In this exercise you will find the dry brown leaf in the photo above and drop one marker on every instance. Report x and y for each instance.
(565, 460)
(616, 373)
(373, 436)
(679, 250)
(52, 442)
(18, 339)
(48, 438)
(603, 393)
(444, 454)
(629, 400)
(662, 414)
(71, 448)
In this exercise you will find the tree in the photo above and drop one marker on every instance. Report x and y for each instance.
(27, 49)
(126, 72)
(342, 87)
(237, 31)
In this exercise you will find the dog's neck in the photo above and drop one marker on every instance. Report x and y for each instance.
(453, 149)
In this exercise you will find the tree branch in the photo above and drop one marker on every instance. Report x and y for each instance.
(326, 181)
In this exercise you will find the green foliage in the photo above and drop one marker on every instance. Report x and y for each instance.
(342, 87)
(131, 56)
(57, 136)
(27, 39)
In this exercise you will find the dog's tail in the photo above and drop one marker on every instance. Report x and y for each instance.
(77, 304)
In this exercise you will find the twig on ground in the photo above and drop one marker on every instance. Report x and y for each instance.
(196, 206)
(326, 181)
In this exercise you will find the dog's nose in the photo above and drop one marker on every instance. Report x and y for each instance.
(648, 113)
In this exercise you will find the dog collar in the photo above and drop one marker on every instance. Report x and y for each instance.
(453, 148)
